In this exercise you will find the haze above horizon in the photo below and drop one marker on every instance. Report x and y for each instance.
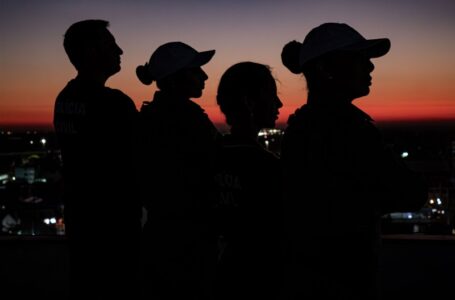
(413, 82)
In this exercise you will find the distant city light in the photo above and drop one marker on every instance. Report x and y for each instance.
(405, 154)
(431, 201)
(409, 215)
(49, 221)
(439, 201)
(31, 142)
(43, 141)
(272, 131)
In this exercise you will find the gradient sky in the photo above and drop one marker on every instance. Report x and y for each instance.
(414, 81)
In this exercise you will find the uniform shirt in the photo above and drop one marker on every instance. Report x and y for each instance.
(179, 144)
(95, 129)
(179, 147)
(340, 178)
(249, 219)
(337, 157)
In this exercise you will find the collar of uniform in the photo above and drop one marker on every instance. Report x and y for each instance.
(349, 111)
(359, 113)
(327, 112)
(87, 82)
(164, 99)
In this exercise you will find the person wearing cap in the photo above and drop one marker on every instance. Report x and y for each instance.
(95, 126)
(339, 176)
(248, 181)
(179, 144)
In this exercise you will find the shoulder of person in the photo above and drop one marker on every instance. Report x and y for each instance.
(193, 108)
(119, 94)
(122, 98)
(146, 107)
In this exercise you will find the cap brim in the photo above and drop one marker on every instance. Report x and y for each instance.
(202, 58)
(372, 48)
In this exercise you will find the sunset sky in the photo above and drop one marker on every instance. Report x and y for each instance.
(414, 81)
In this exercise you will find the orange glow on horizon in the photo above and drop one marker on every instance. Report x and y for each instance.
(42, 116)
(413, 82)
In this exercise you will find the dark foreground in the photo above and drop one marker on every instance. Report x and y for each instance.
(413, 267)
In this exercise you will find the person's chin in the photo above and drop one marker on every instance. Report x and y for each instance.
(363, 93)
(197, 95)
(115, 70)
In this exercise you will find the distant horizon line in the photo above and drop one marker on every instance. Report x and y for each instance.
(225, 127)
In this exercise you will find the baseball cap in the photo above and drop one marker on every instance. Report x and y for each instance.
(174, 56)
(329, 37)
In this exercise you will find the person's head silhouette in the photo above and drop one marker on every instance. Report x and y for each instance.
(335, 60)
(176, 68)
(92, 49)
(247, 95)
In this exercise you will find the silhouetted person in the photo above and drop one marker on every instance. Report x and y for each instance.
(249, 187)
(94, 126)
(179, 146)
(339, 176)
